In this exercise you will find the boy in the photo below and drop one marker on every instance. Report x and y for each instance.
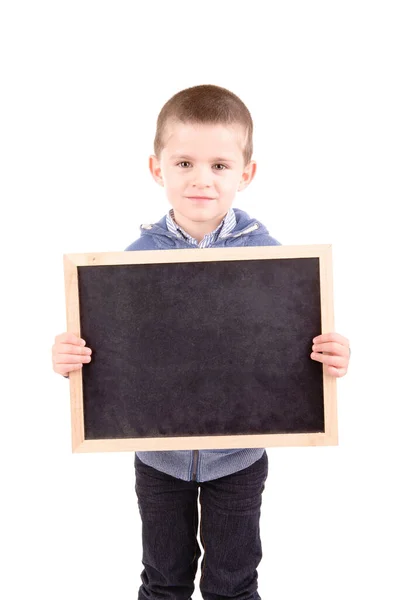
(203, 150)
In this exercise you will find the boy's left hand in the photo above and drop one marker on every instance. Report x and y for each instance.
(336, 353)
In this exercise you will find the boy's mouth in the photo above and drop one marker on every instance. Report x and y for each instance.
(200, 198)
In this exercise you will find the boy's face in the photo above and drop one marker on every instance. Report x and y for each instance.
(202, 160)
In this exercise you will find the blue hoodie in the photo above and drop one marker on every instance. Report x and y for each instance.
(202, 465)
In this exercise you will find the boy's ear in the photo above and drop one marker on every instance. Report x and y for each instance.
(248, 175)
(155, 170)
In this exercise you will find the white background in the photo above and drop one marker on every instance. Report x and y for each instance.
(81, 87)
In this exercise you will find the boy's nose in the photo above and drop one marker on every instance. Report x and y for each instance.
(202, 177)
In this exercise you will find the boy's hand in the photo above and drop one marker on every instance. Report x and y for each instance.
(336, 353)
(69, 353)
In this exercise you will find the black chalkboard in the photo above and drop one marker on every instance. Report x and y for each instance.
(201, 348)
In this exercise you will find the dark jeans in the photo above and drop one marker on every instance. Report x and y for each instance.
(229, 533)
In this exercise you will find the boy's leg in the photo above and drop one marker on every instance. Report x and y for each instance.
(230, 533)
(169, 512)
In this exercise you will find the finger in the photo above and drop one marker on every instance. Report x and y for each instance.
(328, 359)
(333, 347)
(71, 359)
(72, 349)
(65, 369)
(335, 372)
(69, 338)
(331, 337)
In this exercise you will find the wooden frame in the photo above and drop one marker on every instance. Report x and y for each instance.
(73, 261)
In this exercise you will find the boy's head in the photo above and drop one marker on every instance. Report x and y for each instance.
(203, 147)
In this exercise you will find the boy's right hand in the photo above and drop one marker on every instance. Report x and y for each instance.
(69, 353)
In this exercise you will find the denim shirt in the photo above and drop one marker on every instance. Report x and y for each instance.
(236, 229)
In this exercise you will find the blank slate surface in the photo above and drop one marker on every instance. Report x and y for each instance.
(214, 351)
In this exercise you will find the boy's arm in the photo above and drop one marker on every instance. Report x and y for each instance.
(137, 245)
(69, 353)
(333, 350)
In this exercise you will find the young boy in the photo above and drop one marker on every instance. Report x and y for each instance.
(203, 150)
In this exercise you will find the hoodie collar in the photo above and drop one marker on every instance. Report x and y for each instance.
(244, 225)
(227, 225)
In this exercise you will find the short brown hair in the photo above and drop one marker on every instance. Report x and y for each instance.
(209, 104)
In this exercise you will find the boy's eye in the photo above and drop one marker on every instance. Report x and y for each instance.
(185, 162)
